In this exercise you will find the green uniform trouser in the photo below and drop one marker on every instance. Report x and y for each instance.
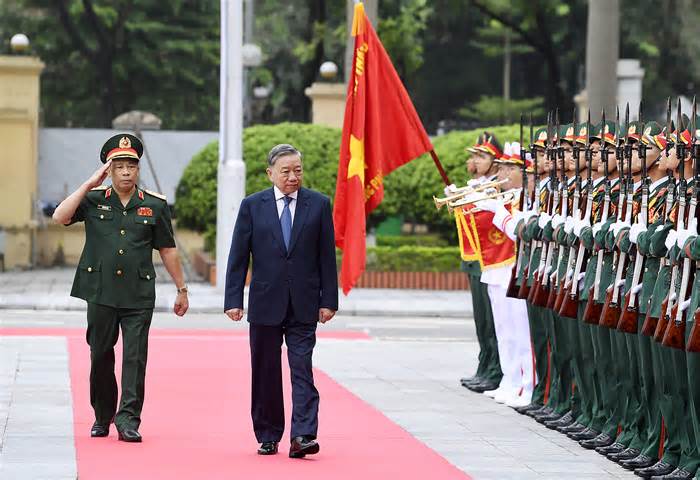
(102, 334)
(562, 382)
(607, 382)
(693, 370)
(587, 375)
(489, 368)
(681, 393)
(539, 338)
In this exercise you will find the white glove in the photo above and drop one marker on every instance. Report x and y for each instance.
(618, 226)
(581, 275)
(450, 189)
(579, 225)
(637, 288)
(490, 205)
(683, 235)
(473, 183)
(569, 225)
(517, 216)
(527, 214)
(544, 219)
(671, 239)
(635, 230)
(684, 305)
(557, 220)
(597, 227)
(693, 226)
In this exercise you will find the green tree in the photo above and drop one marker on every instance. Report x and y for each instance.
(109, 57)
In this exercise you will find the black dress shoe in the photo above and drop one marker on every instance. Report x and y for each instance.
(602, 440)
(268, 448)
(303, 446)
(677, 474)
(616, 447)
(642, 461)
(99, 430)
(527, 408)
(544, 409)
(481, 387)
(626, 454)
(548, 418)
(659, 469)
(130, 435)
(574, 427)
(564, 421)
(587, 434)
(472, 379)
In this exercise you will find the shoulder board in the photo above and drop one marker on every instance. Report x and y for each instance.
(157, 195)
(101, 187)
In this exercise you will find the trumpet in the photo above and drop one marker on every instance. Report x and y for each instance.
(463, 191)
(507, 197)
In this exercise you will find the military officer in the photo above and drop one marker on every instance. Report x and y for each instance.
(115, 276)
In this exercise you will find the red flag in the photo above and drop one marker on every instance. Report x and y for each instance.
(381, 132)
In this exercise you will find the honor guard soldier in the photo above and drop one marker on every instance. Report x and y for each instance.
(116, 277)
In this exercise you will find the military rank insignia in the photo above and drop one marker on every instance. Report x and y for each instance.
(144, 212)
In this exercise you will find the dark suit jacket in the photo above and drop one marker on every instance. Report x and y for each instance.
(306, 273)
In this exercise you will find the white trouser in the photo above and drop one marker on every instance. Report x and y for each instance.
(513, 336)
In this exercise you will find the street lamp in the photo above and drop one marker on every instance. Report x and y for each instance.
(328, 70)
(19, 43)
(252, 55)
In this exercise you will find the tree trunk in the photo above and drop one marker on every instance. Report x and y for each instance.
(372, 9)
(602, 54)
(317, 14)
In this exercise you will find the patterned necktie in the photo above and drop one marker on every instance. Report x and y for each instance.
(286, 221)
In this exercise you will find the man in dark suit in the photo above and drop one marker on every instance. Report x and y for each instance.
(287, 230)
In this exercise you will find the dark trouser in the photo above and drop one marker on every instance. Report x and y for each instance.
(681, 393)
(562, 385)
(489, 368)
(649, 397)
(102, 334)
(586, 376)
(672, 446)
(693, 372)
(267, 405)
(539, 338)
(607, 380)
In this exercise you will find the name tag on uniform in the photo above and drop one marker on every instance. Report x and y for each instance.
(105, 207)
(144, 212)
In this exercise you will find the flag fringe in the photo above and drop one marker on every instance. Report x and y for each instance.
(358, 26)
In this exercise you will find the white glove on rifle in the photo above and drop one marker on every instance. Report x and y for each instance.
(683, 235)
(557, 220)
(597, 227)
(569, 225)
(671, 239)
(635, 230)
(544, 219)
(579, 225)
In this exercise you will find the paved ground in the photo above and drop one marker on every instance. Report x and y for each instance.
(409, 370)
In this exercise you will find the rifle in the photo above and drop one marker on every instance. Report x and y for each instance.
(694, 338)
(524, 291)
(611, 309)
(563, 211)
(564, 288)
(628, 322)
(668, 306)
(675, 332)
(538, 293)
(569, 306)
(545, 285)
(592, 313)
(651, 323)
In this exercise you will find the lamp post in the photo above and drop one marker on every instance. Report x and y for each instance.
(231, 169)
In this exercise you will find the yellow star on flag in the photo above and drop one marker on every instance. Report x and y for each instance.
(356, 166)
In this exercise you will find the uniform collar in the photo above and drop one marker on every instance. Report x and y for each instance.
(279, 195)
(658, 183)
(136, 198)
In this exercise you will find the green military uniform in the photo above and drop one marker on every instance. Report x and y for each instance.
(115, 276)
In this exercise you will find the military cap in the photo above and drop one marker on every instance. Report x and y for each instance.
(566, 133)
(634, 131)
(651, 131)
(608, 131)
(491, 145)
(511, 156)
(583, 135)
(479, 140)
(540, 137)
(122, 147)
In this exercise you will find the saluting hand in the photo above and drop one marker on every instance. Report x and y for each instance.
(99, 176)
(325, 314)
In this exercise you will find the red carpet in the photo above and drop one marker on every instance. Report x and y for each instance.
(196, 422)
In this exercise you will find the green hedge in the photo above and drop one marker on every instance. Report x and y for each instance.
(411, 240)
(408, 190)
(413, 259)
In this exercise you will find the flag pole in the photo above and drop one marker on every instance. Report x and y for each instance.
(439, 167)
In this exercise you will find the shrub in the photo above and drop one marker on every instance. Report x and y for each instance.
(411, 240)
(413, 259)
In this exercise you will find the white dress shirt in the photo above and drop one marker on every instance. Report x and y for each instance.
(279, 199)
